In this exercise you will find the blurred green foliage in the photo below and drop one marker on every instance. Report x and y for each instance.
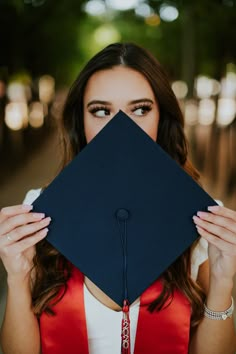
(58, 37)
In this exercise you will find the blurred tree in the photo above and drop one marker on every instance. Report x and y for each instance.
(40, 36)
(57, 37)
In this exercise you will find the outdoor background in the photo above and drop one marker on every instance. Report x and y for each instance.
(45, 43)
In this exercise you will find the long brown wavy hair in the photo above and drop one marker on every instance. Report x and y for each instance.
(51, 269)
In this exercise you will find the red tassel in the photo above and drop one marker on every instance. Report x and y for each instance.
(125, 331)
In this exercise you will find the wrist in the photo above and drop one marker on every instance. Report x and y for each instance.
(219, 315)
(220, 284)
(19, 293)
(18, 280)
(219, 296)
(219, 293)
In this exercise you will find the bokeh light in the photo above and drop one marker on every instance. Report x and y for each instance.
(2, 89)
(143, 10)
(95, 7)
(16, 115)
(226, 111)
(216, 87)
(16, 92)
(191, 112)
(203, 86)
(36, 114)
(228, 86)
(180, 89)
(106, 34)
(206, 112)
(153, 20)
(168, 13)
(123, 5)
(46, 88)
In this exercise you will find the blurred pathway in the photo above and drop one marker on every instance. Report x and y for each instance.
(36, 172)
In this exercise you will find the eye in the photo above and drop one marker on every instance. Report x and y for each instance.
(100, 112)
(141, 110)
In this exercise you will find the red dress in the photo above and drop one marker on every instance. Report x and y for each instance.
(162, 332)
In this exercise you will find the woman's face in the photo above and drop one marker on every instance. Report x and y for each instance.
(119, 88)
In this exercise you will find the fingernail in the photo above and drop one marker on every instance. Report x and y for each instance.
(27, 207)
(212, 208)
(38, 215)
(200, 213)
(195, 217)
(43, 232)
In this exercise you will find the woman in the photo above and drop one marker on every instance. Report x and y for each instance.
(121, 77)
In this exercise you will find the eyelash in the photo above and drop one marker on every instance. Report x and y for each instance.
(145, 106)
(98, 108)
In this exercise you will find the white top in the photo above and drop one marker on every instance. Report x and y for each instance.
(103, 323)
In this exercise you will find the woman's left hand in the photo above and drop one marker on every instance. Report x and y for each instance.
(218, 227)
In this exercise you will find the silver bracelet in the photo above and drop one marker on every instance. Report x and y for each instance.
(219, 315)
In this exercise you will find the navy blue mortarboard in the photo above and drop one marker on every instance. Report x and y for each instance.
(122, 210)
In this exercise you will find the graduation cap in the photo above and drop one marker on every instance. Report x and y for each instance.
(122, 210)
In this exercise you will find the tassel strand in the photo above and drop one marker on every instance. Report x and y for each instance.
(125, 331)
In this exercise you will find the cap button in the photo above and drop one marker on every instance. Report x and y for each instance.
(122, 214)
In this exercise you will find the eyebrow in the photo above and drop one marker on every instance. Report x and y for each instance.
(109, 103)
(141, 100)
(98, 102)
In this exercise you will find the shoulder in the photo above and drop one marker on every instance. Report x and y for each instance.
(32, 195)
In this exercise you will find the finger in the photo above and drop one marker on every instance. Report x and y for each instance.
(222, 245)
(30, 241)
(15, 221)
(23, 245)
(223, 211)
(216, 230)
(24, 231)
(16, 209)
(6, 212)
(218, 220)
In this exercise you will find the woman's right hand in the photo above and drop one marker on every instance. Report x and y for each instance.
(20, 230)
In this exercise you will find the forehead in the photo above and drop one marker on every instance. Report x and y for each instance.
(117, 82)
